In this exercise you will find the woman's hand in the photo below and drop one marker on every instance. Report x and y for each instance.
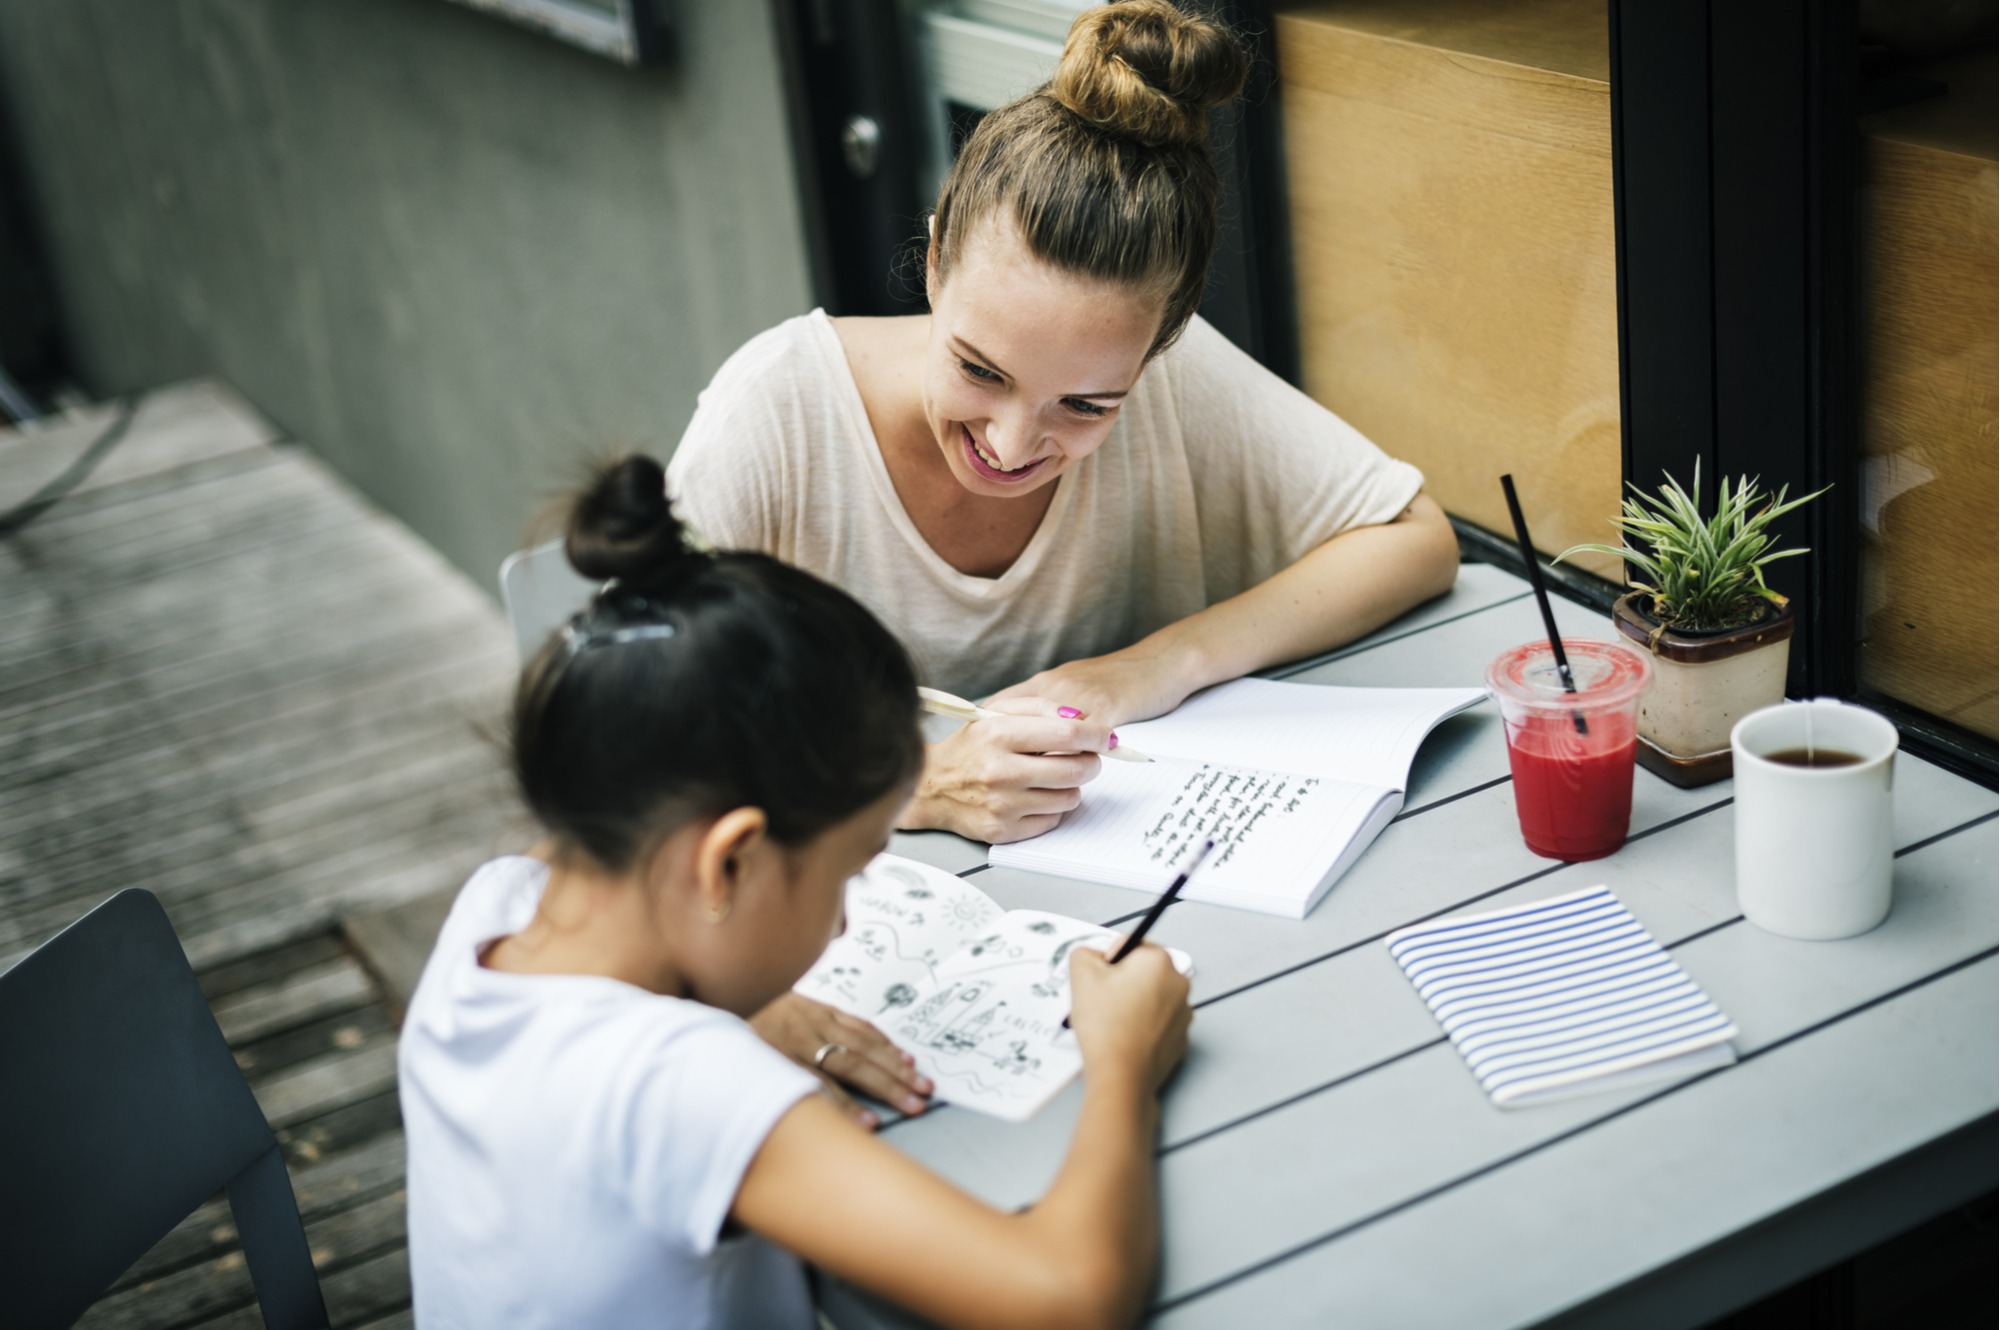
(1008, 778)
(1137, 683)
(1131, 1018)
(798, 1027)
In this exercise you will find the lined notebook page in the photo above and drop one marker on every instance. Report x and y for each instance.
(1276, 834)
(1369, 736)
(1561, 997)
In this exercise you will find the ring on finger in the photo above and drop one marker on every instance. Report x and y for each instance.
(826, 1051)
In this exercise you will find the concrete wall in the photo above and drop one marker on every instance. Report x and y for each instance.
(450, 254)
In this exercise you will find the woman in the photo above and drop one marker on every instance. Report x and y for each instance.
(1060, 486)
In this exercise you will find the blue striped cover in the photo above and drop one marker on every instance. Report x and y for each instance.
(1560, 997)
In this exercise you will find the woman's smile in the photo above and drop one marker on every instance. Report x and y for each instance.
(988, 466)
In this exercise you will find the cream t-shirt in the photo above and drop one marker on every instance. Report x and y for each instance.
(1216, 475)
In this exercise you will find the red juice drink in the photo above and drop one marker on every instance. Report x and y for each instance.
(1571, 753)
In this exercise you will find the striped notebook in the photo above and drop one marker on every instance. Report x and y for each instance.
(1562, 997)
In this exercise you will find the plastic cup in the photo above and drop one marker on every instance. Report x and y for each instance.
(1571, 753)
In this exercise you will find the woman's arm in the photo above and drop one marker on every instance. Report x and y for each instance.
(1344, 589)
(1007, 780)
(1083, 1256)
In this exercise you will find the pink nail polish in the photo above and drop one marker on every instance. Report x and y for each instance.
(1069, 713)
(1113, 743)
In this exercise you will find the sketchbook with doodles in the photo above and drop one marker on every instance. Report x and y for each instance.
(974, 993)
(1293, 781)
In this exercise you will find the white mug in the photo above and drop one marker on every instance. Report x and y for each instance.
(1814, 844)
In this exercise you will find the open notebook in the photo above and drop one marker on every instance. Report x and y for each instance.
(976, 994)
(1292, 780)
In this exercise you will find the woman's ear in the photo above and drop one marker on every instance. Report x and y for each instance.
(931, 255)
(724, 856)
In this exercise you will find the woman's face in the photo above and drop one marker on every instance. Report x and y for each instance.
(1027, 365)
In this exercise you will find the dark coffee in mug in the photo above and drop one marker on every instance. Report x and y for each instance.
(1813, 757)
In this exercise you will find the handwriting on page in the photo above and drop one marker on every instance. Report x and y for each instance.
(1226, 803)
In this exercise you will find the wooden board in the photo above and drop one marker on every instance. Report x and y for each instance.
(1449, 171)
(226, 677)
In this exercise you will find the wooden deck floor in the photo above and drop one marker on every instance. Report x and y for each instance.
(226, 678)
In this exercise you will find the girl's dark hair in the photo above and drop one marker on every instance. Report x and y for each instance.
(695, 683)
(1106, 170)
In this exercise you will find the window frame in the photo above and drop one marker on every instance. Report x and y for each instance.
(1733, 157)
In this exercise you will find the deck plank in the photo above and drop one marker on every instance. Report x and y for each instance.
(336, 986)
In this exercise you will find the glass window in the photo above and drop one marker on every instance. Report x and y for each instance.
(1926, 242)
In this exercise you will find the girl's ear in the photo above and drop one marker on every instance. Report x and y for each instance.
(931, 255)
(722, 858)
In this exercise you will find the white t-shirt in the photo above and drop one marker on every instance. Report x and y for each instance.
(1216, 476)
(575, 1143)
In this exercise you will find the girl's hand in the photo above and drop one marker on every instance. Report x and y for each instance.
(1009, 778)
(799, 1027)
(1131, 1018)
(1127, 685)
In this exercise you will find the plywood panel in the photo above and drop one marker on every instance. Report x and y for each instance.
(1929, 245)
(1449, 166)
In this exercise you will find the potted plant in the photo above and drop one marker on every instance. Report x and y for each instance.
(1719, 637)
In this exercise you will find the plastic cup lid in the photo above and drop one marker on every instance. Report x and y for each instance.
(1607, 674)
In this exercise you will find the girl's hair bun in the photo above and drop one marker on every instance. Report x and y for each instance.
(1148, 71)
(621, 526)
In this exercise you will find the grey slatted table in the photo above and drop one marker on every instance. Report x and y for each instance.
(1325, 1155)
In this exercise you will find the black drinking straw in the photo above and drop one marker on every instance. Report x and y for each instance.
(1541, 594)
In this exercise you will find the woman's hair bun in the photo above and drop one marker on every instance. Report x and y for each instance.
(1149, 71)
(621, 525)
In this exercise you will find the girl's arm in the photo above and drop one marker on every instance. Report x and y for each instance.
(1083, 1256)
(1346, 588)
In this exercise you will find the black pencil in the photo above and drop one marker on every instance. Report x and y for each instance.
(1152, 916)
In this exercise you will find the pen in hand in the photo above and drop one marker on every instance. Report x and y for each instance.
(1152, 916)
(940, 703)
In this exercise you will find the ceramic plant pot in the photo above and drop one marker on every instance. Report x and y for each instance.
(1703, 683)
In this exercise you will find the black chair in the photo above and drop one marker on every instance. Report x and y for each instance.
(121, 1111)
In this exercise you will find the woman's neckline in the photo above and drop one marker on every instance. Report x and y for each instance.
(869, 445)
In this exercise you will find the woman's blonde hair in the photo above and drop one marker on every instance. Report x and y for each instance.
(1106, 170)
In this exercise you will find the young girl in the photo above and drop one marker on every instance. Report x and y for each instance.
(596, 1135)
(1059, 483)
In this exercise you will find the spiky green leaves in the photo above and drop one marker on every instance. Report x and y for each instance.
(1703, 574)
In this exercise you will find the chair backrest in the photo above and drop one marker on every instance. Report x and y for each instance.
(121, 1111)
(541, 591)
